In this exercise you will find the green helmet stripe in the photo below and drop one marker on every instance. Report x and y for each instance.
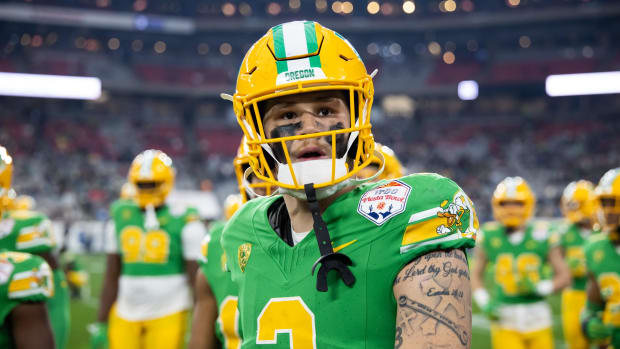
(312, 44)
(278, 46)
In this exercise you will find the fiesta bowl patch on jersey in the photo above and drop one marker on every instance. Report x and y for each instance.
(384, 202)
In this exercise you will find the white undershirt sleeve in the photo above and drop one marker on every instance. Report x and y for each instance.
(191, 236)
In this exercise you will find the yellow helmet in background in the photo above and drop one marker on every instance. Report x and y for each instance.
(128, 191)
(392, 168)
(24, 202)
(232, 204)
(300, 57)
(608, 194)
(6, 177)
(152, 174)
(578, 201)
(241, 163)
(513, 190)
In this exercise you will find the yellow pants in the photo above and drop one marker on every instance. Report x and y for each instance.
(162, 333)
(509, 339)
(573, 302)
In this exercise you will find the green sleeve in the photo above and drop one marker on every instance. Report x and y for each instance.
(440, 216)
(34, 234)
(31, 279)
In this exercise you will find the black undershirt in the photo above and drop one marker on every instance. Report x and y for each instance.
(280, 221)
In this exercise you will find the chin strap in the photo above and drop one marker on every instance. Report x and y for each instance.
(329, 260)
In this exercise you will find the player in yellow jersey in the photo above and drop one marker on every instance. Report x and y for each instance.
(151, 263)
(601, 318)
(517, 250)
(579, 208)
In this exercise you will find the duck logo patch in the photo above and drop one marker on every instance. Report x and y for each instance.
(384, 202)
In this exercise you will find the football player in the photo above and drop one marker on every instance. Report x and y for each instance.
(517, 249)
(601, 318)
(151, 262)
(579, 208)
(25, 286)
(31, 232)
(399, 276)
(216, 294)
(392, 167)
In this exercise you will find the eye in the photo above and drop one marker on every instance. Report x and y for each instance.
(287, 115)
(324, 112)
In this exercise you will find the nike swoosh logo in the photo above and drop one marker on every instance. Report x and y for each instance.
(338, 248)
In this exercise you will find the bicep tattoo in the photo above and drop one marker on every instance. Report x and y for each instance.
(433, 297)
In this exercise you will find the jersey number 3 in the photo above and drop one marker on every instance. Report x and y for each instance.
(287, 315)
(140, 247)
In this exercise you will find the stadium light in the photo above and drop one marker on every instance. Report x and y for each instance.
(583, 84)
(468, 90)
(49, 86)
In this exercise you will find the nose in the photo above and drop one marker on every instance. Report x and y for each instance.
(309, 123)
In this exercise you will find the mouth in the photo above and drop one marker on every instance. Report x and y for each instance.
(310, 153)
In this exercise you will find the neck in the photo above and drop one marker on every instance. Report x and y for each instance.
(299, 211)
(510, 230)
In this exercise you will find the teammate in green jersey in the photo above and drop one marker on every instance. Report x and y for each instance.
(151, 263)
(517, 250)
(31, 232)
(579, 207)
(215, 311)
(25, 285)
(601, 318)
(399, 276)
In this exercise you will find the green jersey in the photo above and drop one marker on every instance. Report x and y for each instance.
(153, 281)
(603, 261)
(213, 265)
(24, 278)
(513, 264)
(380, 226)
(147, 253)
(572, 239)
(31, 232)
(26, 231)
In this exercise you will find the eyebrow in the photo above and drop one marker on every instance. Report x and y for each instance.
(316, 99)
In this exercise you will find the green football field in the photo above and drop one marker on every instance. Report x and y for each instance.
(84, 311)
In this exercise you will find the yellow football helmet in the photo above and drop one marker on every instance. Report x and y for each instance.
(300, 57)
(152, 174)
(608, 195)
(6, 176)
(578, 201)
(392, 167)
(24, 202)
(128, 191)
(513, 190)
(242, 163)
(232, 204)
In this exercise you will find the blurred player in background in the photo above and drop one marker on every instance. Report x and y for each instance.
(392, 167)
(601, 318)
(151, 262)
(30, 231)
(579, 208)
(25, 286)
(216, 294)
(303, 100)
(517, 250)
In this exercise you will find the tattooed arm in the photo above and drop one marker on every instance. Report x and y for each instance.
(433, 297)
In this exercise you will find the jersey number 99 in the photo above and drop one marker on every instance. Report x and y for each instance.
(140, 247)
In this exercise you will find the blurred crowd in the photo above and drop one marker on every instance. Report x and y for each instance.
(73, 156)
